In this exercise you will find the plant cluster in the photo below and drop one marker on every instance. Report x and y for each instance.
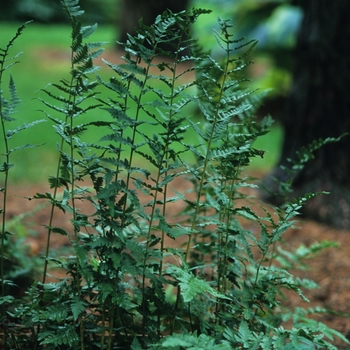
(152, 266)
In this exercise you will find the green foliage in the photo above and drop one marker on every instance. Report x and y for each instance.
(152, 266)
(51, 11)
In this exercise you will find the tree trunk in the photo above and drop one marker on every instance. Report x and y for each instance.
(319, 107)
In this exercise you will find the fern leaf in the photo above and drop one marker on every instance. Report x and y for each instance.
(5, 167)
(59, 230)
(86, 31)
(65, 335)
(173, 231)
(54, 313)
(72, 7)
(25, 146)
(192, 341)
(4, 51)
(244, 334)
(81, 56)
(77, 306)
(9, 106)
(10, 133)
(96, 53)
(14, 100)
(148, 157)
(192, 285)
(58, 98)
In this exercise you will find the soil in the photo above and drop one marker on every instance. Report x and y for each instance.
(330, 269)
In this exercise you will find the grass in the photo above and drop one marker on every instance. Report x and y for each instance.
(42, 46)
(47, 45)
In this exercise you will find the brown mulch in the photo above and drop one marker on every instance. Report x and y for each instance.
(330, 269)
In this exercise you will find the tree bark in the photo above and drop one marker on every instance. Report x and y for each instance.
(319, 107)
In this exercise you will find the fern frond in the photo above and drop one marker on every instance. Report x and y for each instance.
(81, 55)
(72, 7)
(65, 335)
(9, 106)
(87, 31)
(4, 51)
(10, 133)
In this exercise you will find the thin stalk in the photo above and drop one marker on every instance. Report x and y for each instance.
(111, 324)
(272, 253)
(200, 189)
(122, 132)
(228, 215)
(206, 161)
(281, 223)
(103, 326)
(225, 216)
(75, 86)
(147, 246)
(160, 168)
(204, 169)
(132, 150)
(72, 195)
(3, 214)
(4, 55)
(228, 219)
(49, 230)
(171, 103)
(163, 232)
(220, 240)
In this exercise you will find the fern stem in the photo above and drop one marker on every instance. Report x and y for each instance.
(72, 195)
(72, 171)
(121, 134)
(206, 160)
(227, 222)
(165, 193)
(163, 159)
(103, 326)
(49, 230)
(3, 214)
(111, 325)
(132, 150)
(268, 245)
(220, 240)
(222, 279)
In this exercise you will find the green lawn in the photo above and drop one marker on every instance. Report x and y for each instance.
(45, 59)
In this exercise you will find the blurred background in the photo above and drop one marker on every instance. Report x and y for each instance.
(45, 55)
(302, 58)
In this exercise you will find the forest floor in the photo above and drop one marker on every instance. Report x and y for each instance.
(330, 268)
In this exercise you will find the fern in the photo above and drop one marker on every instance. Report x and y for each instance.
(125, 286)
(7, 111)
(65, 335)
(192, 341)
